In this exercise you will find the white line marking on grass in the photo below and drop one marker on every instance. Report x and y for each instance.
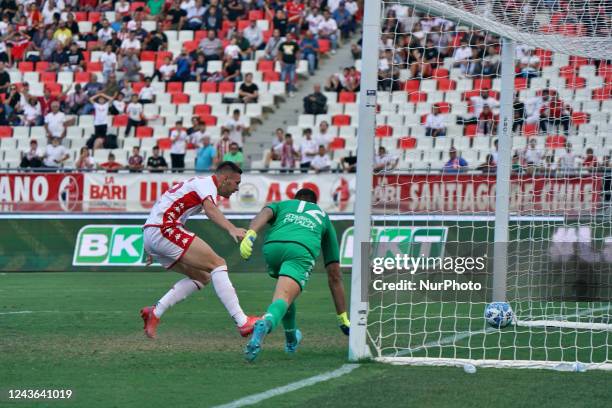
(256, 398)
(17, 312)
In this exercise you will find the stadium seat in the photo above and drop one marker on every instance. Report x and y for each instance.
(120, 120)
(337, 143)
(347, 97)
(208, 87)
(407, 143)
(445, 84)
(470, 130)
(6, 131)
(417, 97)
(324, 46)
(180, 98)
(555, 142)
(341, 120)
(202, 110)
(265, 65)
(412, 85)
(227, 87)
(579, 118)
(271, 76)
(164, 143)
(384, 131)
(174, 87)
(144, 131)
(208, 120)
(26, 66)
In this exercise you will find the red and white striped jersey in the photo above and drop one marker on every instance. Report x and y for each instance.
(183, 200)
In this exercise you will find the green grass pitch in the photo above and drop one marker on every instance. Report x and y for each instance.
(84, 333)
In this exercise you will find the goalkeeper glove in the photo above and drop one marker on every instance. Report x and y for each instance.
(344, 323)
(246, 246)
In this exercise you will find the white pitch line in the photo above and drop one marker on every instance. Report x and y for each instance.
(256, 398)
(17, 312)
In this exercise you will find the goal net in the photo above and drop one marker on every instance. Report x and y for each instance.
(492, 144)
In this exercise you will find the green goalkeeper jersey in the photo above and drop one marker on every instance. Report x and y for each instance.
(305, 224)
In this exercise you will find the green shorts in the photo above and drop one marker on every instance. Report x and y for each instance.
(288, 259)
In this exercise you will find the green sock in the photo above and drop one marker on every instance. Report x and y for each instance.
(289, 323)
(275, 313)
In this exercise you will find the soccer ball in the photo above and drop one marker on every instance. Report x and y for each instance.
(499, 314)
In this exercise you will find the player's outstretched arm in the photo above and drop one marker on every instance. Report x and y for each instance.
(260, 220)
(216, 216)
(336, 286)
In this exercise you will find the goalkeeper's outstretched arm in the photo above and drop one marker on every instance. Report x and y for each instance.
(257, 223)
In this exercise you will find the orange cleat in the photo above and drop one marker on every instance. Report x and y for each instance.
(246, 329)
(151, 321)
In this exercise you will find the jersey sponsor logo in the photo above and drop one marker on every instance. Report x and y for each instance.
(109, 245)
(417, 241)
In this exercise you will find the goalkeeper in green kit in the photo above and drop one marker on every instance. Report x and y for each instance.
(299, 230)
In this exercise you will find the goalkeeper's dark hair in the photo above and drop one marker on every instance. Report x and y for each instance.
(228, 167)
(306, 194)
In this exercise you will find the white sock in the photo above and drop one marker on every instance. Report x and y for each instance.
(227, 294)
(180, 291)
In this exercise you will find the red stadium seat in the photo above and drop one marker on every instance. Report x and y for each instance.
(164, 143)
(242, 24)
(26, 66)
(530, 129)
(341, 120)
(256, 15)
(265, 65)
(137, 86)
(81, 77)
(137, 4)
(6, 131)
(440, 73)
(417, 97)
(271, 76)
(407, 143)
(208, 120)
(120, 120)
(578, 61)
(347, 97)
(337, 143)
(555, 142)
(580, 118)
(445, 84)
(567, 71)
(48, 77)
(144, 131)
(42, 66)
(520, 84)
(470, 130)
(200, 35)
(191, 46)
(94, 67)
(148, 56)
(601, 94)
(80, 15)
(202, 110)
(180, 98)
(575, 82)
(54, 88)
(227, 87)
(482, 83)
(545, 56)
(384, 131)
(174, 87)
(444, 107)
(208, 87)
(94, 16)
(412, 85)
(324, 46)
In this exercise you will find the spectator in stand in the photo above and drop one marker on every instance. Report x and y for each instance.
(328, 30)
(314, 18)
(130, 66)
(567, 159)
(316, 102)
(156, 7)
(231, 69)
(337, 81)
(275, 151)
(211, 46)
(455, 163)
(518, 110)
(295, 13)
(321, 162)
(349, 163)
(135, 112)
(344, 20)
(198, 68)
(156, 163)
(85, 162)
(118, 105)
(223, 144)
(272, 47)
(32, 157)
(533, 157)
(489, 166)
(238, 127)
(56, 122)
(32, 112)
(486, 122)
(234, 155)
(111, 165)
(352, 80)
(48, 46)
(76, 101)
(529, 65)
(183, 67)
(310, 51)
(254, 35)
(462, 55)
(5, 80)
(206, 157)
(387, 76)
(156, 40)
(384, 161)
(55, 154)
(308, 150)
(556, 113)
(435, 122)
(135, 161)
(179, 138)
(590, 160)
(248, 91)
(235, 10)
(197, 131)
(517, 167)
(147, 93)
(324, 135)
(195, 16)
(288, 55)
(166, 71)
(280, 22)
(213, 18)
(112, 87)
(288, 155)
(101, 105)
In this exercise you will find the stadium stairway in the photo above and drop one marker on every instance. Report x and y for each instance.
(286, 112)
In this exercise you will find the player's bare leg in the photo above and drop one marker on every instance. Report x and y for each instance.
(287, 290)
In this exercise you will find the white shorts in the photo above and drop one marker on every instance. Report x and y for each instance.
(167, 244)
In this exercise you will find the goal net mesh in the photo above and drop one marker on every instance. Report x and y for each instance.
(437, 121)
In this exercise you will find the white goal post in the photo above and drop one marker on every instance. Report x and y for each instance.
(534, 103)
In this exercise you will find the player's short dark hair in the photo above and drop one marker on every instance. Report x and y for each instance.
(306, 194)
(228, 167)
